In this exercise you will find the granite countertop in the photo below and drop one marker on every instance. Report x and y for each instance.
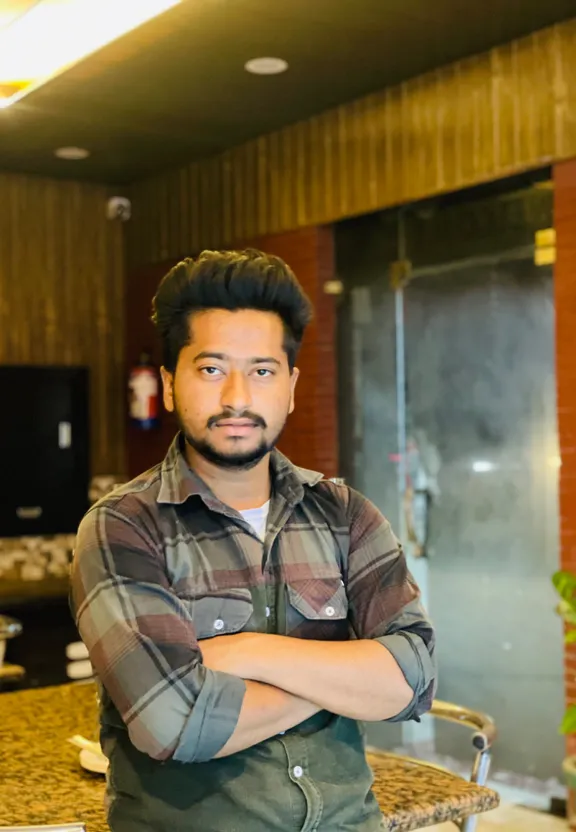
(42, 782)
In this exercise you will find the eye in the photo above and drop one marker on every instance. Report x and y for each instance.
(210, 371)
(263, 372)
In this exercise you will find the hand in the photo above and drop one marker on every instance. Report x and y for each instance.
(233, 654)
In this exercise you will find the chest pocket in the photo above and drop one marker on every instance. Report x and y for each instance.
(317, 608)
(221, 613)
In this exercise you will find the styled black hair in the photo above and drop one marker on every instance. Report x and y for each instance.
(229, 280)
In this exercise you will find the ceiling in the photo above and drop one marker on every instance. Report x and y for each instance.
(175, 89)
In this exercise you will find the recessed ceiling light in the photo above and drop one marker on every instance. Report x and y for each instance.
(72, 153)
(266, 66)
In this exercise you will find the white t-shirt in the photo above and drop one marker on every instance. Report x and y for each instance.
(257, 518)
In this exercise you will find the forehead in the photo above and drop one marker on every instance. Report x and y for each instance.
(242, 333)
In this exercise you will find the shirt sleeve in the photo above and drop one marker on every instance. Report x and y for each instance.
(143, 646)
(385, 602)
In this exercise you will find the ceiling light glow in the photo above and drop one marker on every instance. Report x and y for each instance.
(55, 34)
(72, 153)
(266, 66)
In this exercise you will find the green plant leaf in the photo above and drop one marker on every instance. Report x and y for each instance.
(565, 584)
(570, 637)
(567, 611)
(569, 722)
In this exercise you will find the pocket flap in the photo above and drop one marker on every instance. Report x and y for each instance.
(319, 598)
(221, 613)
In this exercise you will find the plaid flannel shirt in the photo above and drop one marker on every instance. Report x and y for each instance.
(161, 564)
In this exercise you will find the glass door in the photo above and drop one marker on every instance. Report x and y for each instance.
(468, 418)
(482, 417)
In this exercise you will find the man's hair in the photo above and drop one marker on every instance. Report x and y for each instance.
(230, 280)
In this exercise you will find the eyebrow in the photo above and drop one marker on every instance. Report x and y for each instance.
(217, 356)
(220, 356)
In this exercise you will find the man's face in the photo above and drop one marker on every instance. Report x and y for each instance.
(232, 390)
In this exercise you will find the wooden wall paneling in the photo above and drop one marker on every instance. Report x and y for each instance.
(482, 118)
(62, 294)
(263, 180)
(192, 196)
(564, 90)
(144, 448)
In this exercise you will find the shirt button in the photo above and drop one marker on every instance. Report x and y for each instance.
(218, 624)
(297, 771)
(267, 612)
(330, 611)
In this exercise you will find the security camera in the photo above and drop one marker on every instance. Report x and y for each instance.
(119, 208)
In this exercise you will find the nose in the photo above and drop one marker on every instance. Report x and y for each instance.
(236, 393)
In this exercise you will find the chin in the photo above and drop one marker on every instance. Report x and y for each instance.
(238, 446)
(240, 452)
(233, 453)
(238, 463)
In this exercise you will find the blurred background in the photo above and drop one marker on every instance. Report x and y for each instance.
(415, 164)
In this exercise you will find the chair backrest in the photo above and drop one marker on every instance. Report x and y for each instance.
(58, 827)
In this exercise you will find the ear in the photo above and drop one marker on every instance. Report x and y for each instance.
(293, 382)
(167, 389)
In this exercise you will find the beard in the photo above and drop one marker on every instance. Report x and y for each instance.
(230, 460)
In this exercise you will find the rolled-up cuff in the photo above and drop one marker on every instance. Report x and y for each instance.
(411, 663)
(213, 718)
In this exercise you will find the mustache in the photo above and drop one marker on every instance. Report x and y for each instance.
(229, 414)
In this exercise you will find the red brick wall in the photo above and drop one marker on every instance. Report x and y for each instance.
(311, 438)
(565, 300)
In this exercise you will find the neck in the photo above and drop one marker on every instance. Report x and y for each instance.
(241, 489)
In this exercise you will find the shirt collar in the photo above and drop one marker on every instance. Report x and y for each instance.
(178, 482)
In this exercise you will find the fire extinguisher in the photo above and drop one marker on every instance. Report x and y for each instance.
(144, 393)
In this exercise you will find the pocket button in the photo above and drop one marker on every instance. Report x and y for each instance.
(330, 611)
(218, 624)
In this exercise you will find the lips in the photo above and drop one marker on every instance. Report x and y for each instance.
(236, 428)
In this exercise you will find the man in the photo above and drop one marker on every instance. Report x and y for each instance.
(244, 617)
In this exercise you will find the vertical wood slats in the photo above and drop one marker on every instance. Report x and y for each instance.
(482, 118)
(62, 295)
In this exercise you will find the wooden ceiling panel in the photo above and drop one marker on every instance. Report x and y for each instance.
(175, 89)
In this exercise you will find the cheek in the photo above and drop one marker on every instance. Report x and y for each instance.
(275, 406)
(195, 403)
(189, 408)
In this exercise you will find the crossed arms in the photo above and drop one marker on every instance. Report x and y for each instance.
(289, 680)
(193, 701)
